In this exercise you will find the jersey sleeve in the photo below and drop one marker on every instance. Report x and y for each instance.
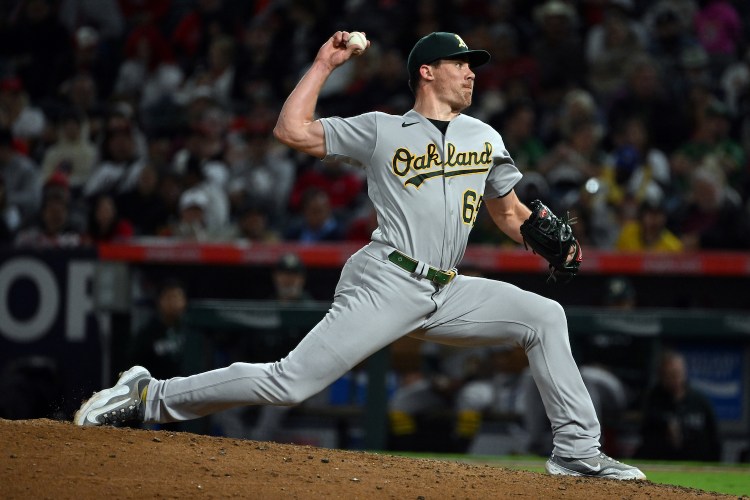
(351, 140)
(502, 177)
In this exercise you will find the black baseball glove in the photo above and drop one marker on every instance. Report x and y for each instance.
(552, 238)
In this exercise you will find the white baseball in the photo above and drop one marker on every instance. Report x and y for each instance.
(358, 40)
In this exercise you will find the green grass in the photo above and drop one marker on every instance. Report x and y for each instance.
(732, 481)
(713, 477)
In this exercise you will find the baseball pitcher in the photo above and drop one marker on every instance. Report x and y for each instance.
(428, 171)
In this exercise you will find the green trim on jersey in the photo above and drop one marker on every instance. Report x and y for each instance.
(417, 180)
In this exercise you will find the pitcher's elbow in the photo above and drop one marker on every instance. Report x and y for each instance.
(281, 134)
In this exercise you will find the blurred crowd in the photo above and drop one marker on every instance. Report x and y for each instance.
(133, 118)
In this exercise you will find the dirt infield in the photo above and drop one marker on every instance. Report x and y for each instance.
(49, 459)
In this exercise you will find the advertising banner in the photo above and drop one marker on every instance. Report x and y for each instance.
(50, 347)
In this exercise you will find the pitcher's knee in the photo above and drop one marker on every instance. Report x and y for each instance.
(555, 311)
(550, 319)
(295, 396)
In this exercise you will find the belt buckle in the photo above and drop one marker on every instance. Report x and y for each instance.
(451, 274)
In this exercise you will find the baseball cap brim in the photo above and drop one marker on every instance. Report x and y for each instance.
(442, 45)
(475, 57)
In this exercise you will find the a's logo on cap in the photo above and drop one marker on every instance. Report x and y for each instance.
(461, 42)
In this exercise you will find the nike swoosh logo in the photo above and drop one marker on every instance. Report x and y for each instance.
(592, 469)
(404, 125)
(98, 404)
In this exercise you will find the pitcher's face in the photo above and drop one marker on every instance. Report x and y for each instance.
(455, 82)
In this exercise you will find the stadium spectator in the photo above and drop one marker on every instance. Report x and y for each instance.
(577, 106)
(162, 341)
(679, 422)
(58, 184)
(81, 91)
(620, 294)
(202, 161)
(169, 190)
(208, 179)
(597, 221)
(710, 141)
(9, 218)
(206, 135)
(143, 206)
(21, 178)
(498, 390)
(379, 88)
(518, 126)
(718, 27)
(579, 211)
(252, 224)
(161, 149)
(148, 75)
(193, 223)
(196, 29)
(343, 186)
(610, 46)
(215, 79)
(261, 172)
(646, 95)
(428, 386)
(638, 169)
(713, 216)
(259, 53)
(575, 159)
(105, 14)
(289, 280)
(693, 72)
(648, 232)
(512, 70)
(94, 55)
(120, 161)
(105, 225)
(73, 154)
(670, 35)
(138, 12)
(37, 45)
(53, 228)
(558, 49)
(317, 222)
(362, 225)
(735, 86)
(26, 121)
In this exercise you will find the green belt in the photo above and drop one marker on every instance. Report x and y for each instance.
(408, 264)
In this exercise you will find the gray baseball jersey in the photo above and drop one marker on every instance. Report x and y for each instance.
(427, 189)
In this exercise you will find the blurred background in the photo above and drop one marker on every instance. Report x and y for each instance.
(148, 216)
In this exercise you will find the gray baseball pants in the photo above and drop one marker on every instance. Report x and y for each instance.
(377, 302)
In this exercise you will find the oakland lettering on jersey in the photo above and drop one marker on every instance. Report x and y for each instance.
(405, 162)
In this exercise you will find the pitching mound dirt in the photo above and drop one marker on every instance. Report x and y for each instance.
(49, 459)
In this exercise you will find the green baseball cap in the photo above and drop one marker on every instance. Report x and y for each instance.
(442, 45)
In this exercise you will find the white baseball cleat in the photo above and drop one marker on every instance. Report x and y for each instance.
(598, 466)
(120, 403)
